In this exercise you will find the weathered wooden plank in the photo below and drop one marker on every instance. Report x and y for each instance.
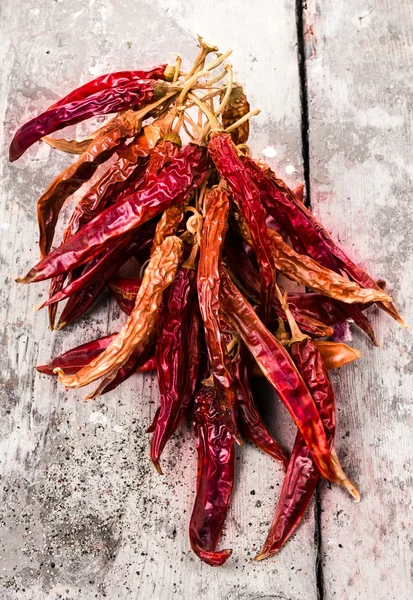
(359, 57)
(84, 515)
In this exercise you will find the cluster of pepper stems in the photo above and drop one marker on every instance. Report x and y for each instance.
(209, 229)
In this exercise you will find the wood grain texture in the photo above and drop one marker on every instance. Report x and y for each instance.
(360, 91)
(84, 515)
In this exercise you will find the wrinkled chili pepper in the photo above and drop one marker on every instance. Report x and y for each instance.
(302, 473)
(159, 274)
(113, 80)
(70, 179)
(280, 371)
(125, 290)
(170, 187)
(230, 167)
(237, 107)
(308, 234)
(212, 240)
(123, 97)
(177, 359)
(215, 478)
(75, 359)
(251, 425)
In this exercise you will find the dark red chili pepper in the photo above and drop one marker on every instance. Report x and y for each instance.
(246, 194)
(306, 233)
(112, 80)
(279, 369)
(251, 425)
(302, 474)
(177, 358)
(75, 359)
(125, 290)
(215, 478)
(215, 226)
(170, 187)
(123, 97)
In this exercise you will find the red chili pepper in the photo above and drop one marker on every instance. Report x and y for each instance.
(307, 234)
(123, 97)
(251, 425)
(112, 80)
(280, 371)
(214, 229)
(177, 359)
(75, 359)
(215, 478)
(246, 194)
(302, 474)
(170, 187)
(125, 290)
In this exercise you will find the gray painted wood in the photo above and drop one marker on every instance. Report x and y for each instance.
(359, 57)
(83, 514)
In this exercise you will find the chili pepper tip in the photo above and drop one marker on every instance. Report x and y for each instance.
(262, 555)
(157, 466)
(45, 369)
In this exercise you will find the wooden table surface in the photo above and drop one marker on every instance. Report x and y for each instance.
(83, 513)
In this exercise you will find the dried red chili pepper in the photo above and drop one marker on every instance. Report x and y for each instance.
(70, 179)
(245, 192)
(137, 331)
(75, 359)
(170, 187)
(123, 97)
(307, 233)
(177, 358)
(125, 290)
(215, 478)
(251, 425)
(280, 371)
(302, 473)
(113, 80)
(215, 226)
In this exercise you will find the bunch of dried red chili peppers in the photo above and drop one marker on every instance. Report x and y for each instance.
(209, 229)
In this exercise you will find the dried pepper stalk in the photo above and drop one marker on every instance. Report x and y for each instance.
(215, 478)
(201, 230)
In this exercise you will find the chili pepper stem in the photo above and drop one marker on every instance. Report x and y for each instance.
(247, 117)
(225, 100)
(296, 333)
(204, 50)
(212, 120)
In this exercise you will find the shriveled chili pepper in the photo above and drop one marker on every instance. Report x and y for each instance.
(123, 97)
(177, 360)
(251, 425)
(125, 290)
(215, 478)
(247, 279)
(230, 167)
(302, 474)
(310, 273)
(308, 233)
(71, 178)
(212, 240)
(75, 359)
(170, 187)
(237, 107)
(280, 371)
(113, 80)
(159, 274)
